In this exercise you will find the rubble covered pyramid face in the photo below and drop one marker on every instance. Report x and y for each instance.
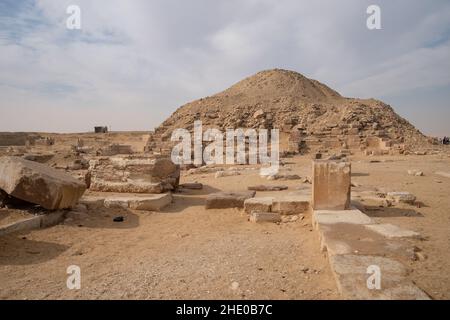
(309, 115)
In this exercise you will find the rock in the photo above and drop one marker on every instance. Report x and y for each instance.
(268, 188)
(192, 185)
(133, 174)
(291, 205)
(399, 197)
(420, 256)
(376, 202)
(307, 180)
(234, 285)
(258, 114)
(227, 173)
(39, 184)
(415, 173)
(258, 204)
(288, 219)
(258, 217)
(284, 177)
(303, 269)
(223, 200)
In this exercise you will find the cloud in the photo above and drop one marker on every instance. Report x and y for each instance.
(134, 62)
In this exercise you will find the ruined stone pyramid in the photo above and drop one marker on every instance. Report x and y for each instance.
(309, 115)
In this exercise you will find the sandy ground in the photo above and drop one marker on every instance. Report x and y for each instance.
(186, 252)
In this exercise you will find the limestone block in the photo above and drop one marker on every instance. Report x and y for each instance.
(258, 204)
(259, 217)
(39, 184)
(331, 185)
(223, 200)
(291, 205)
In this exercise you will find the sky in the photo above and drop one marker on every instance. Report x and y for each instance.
(135, 62)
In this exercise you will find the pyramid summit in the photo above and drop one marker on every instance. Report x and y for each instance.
(311, 116)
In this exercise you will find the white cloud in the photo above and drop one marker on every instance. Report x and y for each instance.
(134, 62)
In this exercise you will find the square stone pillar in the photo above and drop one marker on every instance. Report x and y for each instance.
(331, 185)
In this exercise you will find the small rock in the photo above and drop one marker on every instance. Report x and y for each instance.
(234, 285)
(420, 256)
(118, 219)
(304, 269)
(307, 180)
(404, 197)
(228, 173)
(415, 173)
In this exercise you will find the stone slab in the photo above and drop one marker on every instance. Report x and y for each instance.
(192, 186)
(391, 231)
(260, 217)
(39, 184)
(153, 202)
(268, 188)
(327, 217)
(403, 196)
(351, 274)
(33, 223)
(224, 200)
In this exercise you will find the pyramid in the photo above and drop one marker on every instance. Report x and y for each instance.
(310, 116)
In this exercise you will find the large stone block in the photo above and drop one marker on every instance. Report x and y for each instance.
(39, 184)
(223, 200)
(258, 204)
(291, 205)
(331, 185)
(134, 175)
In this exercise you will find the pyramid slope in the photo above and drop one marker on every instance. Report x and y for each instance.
(288, 101)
